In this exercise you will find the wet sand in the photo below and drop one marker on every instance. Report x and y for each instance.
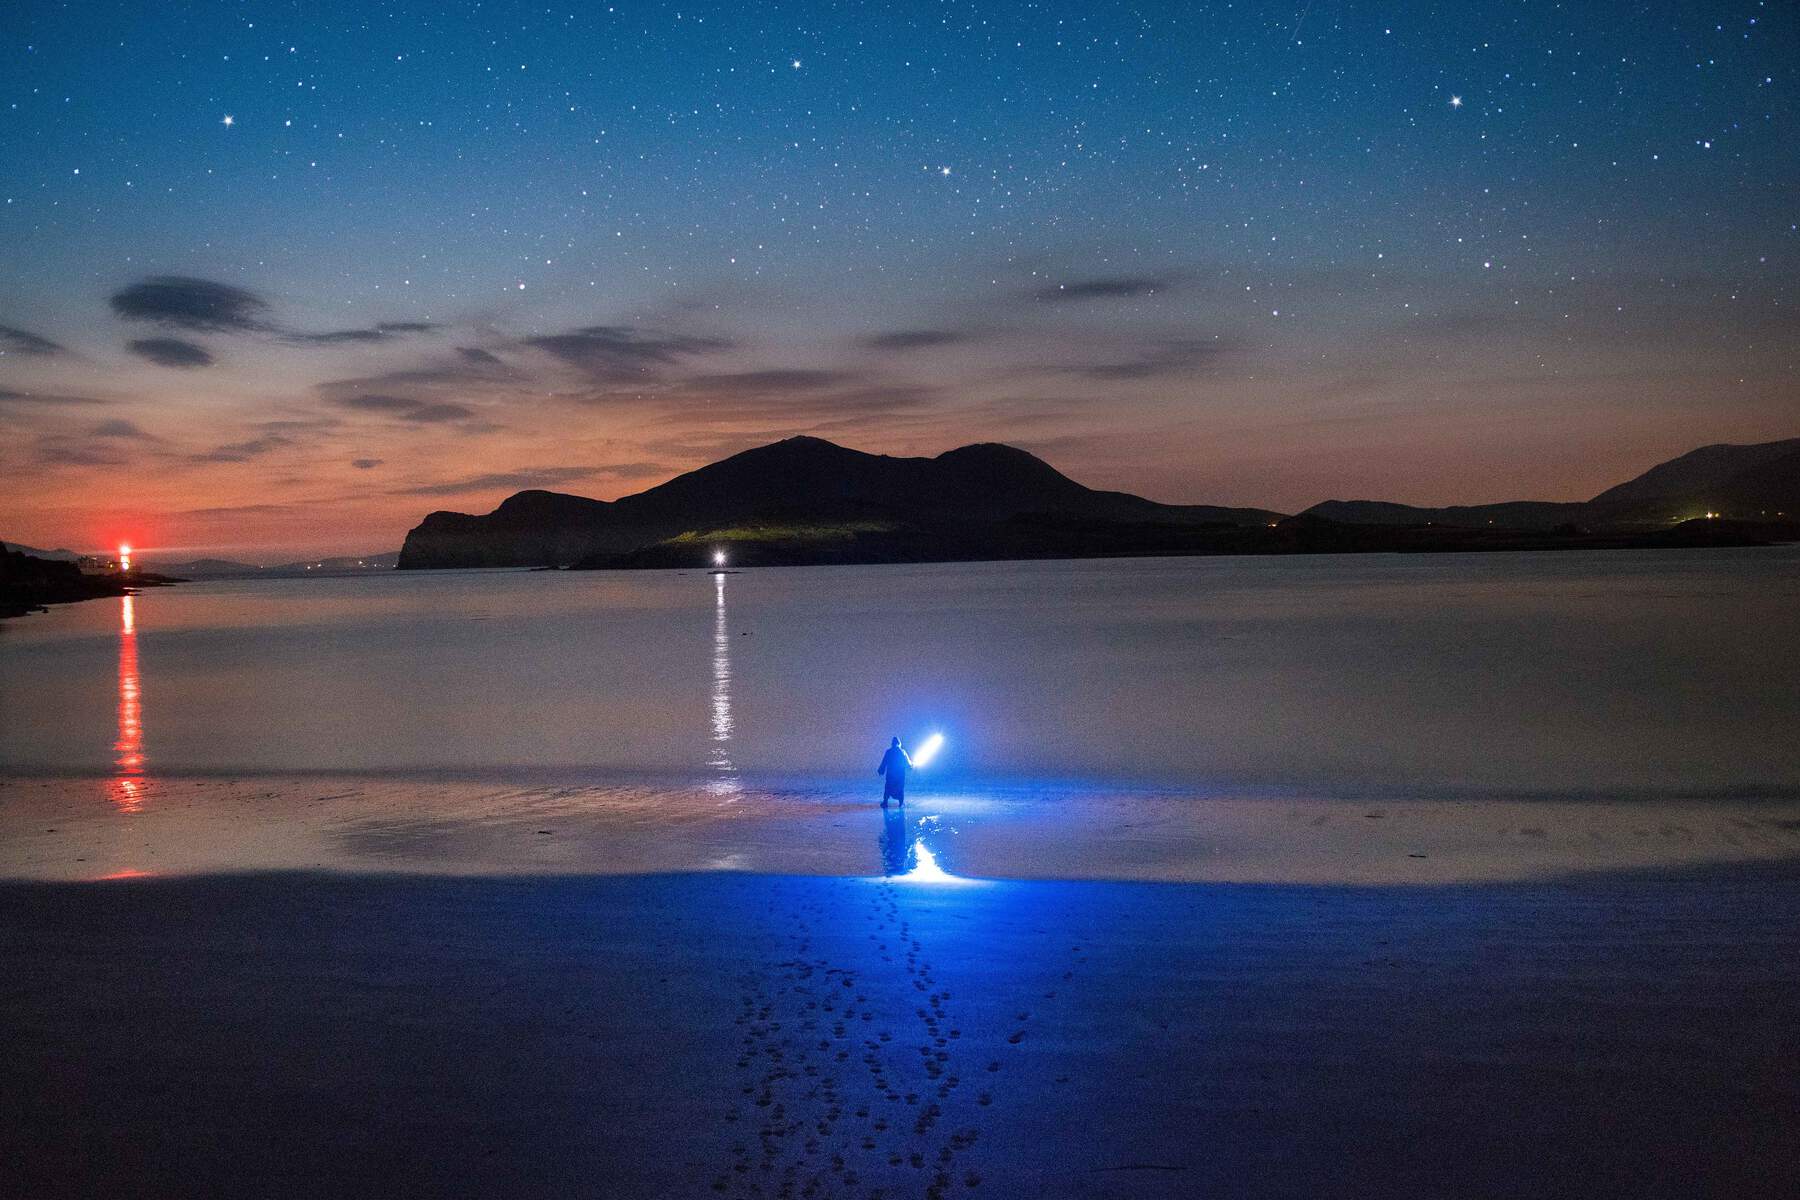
(75, 828)
(304, 1034)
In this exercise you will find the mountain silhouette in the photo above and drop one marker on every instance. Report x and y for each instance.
(816, 492)
(1759, 482)
(809, 501)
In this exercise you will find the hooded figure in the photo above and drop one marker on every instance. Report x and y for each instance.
(894, 765)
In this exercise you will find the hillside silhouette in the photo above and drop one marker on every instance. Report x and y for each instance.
(1755, 483)
(809, 501)
(963, 497)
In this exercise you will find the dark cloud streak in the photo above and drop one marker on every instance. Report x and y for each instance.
(1159, 360)
(1122, 287)
(618, 354)
(14, 340)
(236, 452)
(184, 302)
(171, 352)
(915, 339)
(118, 428)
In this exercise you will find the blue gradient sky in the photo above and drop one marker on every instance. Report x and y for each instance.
(1228, 253)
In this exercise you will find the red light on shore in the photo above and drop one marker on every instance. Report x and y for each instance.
(124, 556)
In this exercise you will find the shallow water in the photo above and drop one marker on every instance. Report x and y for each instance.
(1670, 673)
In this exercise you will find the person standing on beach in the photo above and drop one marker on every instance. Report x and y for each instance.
(894, 766)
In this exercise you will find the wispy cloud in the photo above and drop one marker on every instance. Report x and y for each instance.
(1117, 287)
(240, 510)
(11, 398)
(915, 339)
(383, 331)
(171, 352)
(235, 452)
(762, 383)
(431, 414)
(1173, 356)
(338, 337)
(380, 402)
(535, 477)
(14, 340)
(538, 477)
(119, 428)
(184, 302)
(407, 408)
(620, 354)
(74, 452)
(471, 369)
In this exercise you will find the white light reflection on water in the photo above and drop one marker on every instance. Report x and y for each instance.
(725, 781)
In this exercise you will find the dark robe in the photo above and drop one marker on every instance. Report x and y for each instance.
(894, 766)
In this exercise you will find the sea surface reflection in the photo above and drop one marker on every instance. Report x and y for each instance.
(724, 781)
(128, 749)
(1615, 673)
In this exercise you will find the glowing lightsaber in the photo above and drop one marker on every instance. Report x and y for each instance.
(928, 750)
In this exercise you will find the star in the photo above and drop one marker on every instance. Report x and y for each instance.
(229, 121)
(944, 171)
(795, 64)
(1456, 102)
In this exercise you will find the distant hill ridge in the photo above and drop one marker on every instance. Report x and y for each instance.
(804, 484)
(806, 500)
(1749, 483)
(61, 554)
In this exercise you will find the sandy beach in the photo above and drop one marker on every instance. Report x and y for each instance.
(426, 1009)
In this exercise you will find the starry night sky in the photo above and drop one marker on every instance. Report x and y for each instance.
(281, 278)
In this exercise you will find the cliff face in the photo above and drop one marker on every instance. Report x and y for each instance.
(799, 482)
(528, 530)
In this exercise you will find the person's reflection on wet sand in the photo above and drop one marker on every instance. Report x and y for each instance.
(898, 841)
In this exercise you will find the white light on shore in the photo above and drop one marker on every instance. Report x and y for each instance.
(718, 558)
(928, 750)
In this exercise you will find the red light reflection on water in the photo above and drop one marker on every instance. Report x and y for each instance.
(127, 782)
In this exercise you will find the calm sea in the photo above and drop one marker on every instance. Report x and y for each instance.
(1675, 673)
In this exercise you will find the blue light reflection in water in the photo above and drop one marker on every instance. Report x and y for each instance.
(906, 854)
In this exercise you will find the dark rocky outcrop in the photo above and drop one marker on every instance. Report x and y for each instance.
(27, 584)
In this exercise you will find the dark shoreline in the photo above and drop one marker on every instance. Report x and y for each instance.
(29, 584)
(1024, 540)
